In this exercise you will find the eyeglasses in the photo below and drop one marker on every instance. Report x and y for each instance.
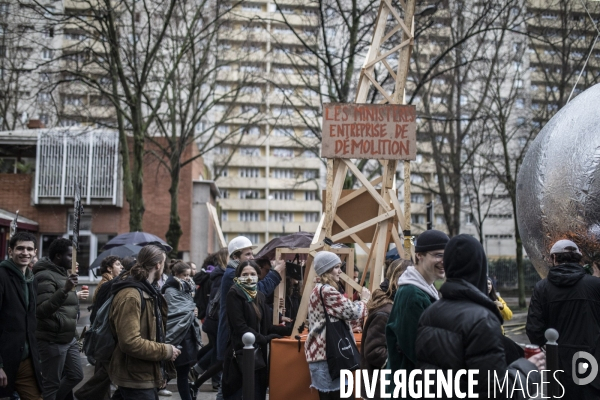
(437, 256)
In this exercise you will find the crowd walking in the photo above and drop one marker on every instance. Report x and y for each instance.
(156, 309)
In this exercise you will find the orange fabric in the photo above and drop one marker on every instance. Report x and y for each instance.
(289, 377)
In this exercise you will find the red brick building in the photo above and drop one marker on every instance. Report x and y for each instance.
(41, 194)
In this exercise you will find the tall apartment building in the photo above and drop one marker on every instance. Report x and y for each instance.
(270, 178)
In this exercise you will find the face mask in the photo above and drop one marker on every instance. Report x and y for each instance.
(249, 280)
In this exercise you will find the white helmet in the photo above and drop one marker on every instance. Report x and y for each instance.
(239, 243)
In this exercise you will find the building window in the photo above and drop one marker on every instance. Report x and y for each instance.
(439, 220)
(417, 198)
(224, 215)
(250, 151)
(47, 54)
(249, 172)
(310, 195)
(416, 178)
(470, 219)
(417, 219)
(44, 97)
(308, 154)
(283, 152)
(249, 194)
(281, 216)
(224, 194)
(224, 172)
(308, 133)
(221, 150)
(311, 217)
(283, 132)
(283, 195)
(311, 174)
(254, 237)
(283, 173)
(253, 131)
(72, 101)
(249, 216)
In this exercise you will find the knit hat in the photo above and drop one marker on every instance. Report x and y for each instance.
(431, 240)
(324, 261)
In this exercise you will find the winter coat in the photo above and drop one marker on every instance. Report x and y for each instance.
(211, 325)
(17, 324)
(105, 278)
(56, 309)
(242, 318)
(567, 300)
(266, 286)
(137, 358)
(373, 348)
(413, 297)
(182, 325)
(462, 331)
(338, 308)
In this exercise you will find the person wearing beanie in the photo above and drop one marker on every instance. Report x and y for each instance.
(462, 330)
(568, 300)
(415, 293)
(327, 265)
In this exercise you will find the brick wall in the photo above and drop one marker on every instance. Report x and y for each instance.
(17, 189)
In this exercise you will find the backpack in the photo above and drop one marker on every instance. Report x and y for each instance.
(99, 342)
(212, 311)
(202, 280)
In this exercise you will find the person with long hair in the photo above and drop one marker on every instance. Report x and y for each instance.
(505, 312)
(247, 311)
(210, 325)
(138, 316)
(327, 265)
(373, 348)
(183, 329)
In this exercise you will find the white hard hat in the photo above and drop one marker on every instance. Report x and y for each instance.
(238, 243)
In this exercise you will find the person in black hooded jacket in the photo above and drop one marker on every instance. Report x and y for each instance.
(568, 300)
(462, 330)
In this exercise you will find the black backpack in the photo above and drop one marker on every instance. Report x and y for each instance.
(201, 298)
(99, 342)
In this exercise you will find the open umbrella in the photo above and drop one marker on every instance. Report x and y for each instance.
(120, 251)
(137, 238)
(293, 240)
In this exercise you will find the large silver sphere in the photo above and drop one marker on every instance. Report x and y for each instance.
(558, 186)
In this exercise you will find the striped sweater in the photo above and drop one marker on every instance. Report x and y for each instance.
(338, 307)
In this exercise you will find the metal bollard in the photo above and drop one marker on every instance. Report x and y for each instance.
(552, 361)
(248, 366)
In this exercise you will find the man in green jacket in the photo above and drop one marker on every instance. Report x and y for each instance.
(415, 293)
(57, 307)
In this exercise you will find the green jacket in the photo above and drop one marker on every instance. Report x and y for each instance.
(56, 309)
(401, 329)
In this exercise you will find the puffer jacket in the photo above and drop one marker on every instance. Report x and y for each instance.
(462, 331)
(139, 357)
(567, 300)
(56, 308)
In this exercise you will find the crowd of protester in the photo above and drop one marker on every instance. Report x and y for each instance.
(159, 310)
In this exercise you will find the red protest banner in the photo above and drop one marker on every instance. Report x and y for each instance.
(377, 131)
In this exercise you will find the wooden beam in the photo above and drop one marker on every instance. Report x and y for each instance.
(364, 225)
(358, 192)
(350, 281)
(363, 179)
(212, 212)
(279, 291)
(354, 236)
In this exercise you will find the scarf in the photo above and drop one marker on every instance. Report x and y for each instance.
(248, 289)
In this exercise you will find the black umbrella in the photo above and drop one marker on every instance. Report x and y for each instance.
(120, 251)
(293, 240)
(137, 238)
